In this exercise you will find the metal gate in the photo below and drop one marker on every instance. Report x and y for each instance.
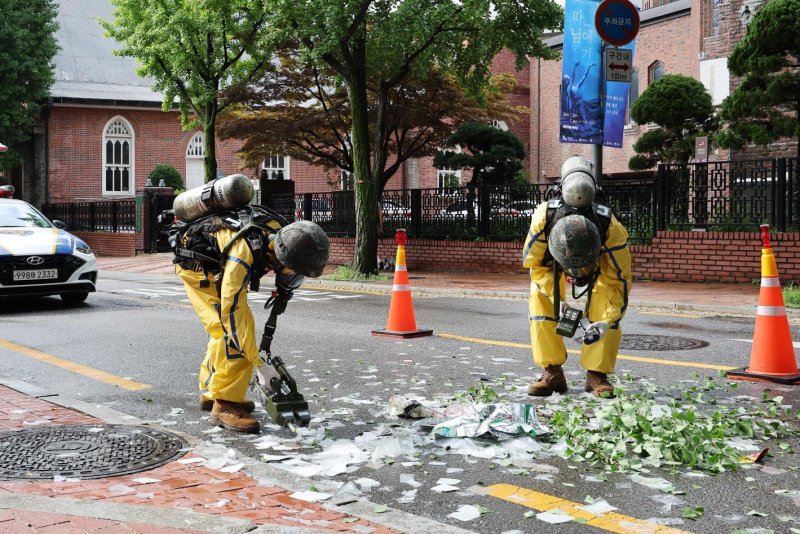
(156, 234)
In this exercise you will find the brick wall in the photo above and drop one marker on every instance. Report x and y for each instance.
(672, 257)
(434, 255)
(76, 151)
(111, 244)
(714, 256)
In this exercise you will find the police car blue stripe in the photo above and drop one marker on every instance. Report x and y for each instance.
(65, 243)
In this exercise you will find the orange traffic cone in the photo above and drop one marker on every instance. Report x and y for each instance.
(772, 357)
(401, 311)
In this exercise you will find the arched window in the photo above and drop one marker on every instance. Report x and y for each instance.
(118, 156)
(656, 72)
(195, 156)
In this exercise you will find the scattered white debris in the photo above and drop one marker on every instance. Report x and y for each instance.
(444, 488)
(408, 479)
(448, 481)
(232, 468)
(120, 489)
(652, 482)
(554, 517)
(466, 512)
(598, 507)
(366, 484)
(310, 496)
(146, 480)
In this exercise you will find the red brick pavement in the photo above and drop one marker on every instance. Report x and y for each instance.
(180, 486)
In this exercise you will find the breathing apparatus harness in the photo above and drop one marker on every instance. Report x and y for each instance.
(196, 250)
(599, 213)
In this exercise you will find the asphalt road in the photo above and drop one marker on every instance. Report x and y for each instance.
(141, 332)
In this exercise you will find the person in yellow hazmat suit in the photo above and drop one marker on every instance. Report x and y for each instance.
(576, 236)
(219, 258)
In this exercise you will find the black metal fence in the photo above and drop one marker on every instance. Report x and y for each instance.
(117, 216)
(730, 195)
(716, 196)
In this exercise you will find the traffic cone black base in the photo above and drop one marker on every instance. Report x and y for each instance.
(404, 335)
(743, 374)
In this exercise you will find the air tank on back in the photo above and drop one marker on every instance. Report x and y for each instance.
(232, 191)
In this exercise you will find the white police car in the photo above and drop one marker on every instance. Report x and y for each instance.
(38, 257)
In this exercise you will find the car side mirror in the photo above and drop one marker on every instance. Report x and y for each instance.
(61, 225)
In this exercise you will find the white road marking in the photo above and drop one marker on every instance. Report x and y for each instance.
(300, 294)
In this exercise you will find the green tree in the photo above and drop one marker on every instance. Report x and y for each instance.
(766, 104)
(682, 109)
(380, 43)
(172, 178)
(27, 48)
(193, 49)
(302, 112)
(494, 155)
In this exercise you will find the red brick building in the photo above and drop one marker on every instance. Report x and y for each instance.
(102, 130)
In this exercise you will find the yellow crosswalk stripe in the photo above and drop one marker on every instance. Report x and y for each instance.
(69, 365)
(610, 521)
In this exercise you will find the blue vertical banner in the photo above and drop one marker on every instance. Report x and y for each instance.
(616, 101)
(581, 117)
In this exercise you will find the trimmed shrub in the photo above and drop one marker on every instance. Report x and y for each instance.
(172, 178)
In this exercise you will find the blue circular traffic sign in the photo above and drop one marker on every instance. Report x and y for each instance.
(617, 22)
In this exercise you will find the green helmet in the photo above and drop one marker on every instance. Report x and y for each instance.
(303, 247)
(574, 242)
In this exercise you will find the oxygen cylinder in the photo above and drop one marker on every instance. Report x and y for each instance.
(226, 193)
(577, 182)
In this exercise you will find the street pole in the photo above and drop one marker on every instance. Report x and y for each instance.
(597, 150)
(597, 159)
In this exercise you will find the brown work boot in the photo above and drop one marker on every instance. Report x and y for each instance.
(552, 380)
(207, 404)
(597, 384)
(232, 416)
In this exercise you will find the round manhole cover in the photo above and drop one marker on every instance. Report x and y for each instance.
(85, 451)
(659, 343)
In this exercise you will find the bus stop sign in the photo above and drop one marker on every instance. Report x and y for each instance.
(617, 22)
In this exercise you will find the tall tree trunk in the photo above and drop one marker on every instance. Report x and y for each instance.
(210, 142)
(366, 250)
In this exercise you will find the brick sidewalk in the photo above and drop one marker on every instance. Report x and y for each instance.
(178, 487)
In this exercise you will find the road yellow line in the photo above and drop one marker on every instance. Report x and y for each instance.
(642, 359)
(611, 521)
(90, 372)
(345, 290)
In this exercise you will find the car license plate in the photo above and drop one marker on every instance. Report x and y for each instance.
(35, 274)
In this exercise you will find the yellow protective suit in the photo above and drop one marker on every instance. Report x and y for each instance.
(608, 300)
(232, 349)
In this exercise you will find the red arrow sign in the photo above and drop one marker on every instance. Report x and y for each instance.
(614, 66)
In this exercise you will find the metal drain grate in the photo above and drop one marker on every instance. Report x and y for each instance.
(85, 451)
(659, 343)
